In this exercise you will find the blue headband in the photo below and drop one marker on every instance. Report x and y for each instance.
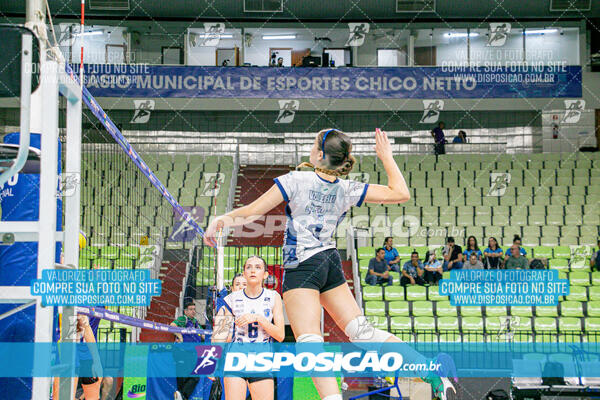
(323, 142)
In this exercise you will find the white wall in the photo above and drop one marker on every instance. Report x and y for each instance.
(553, 47)
(380, 39)
(511, 52)
(205, 55)
(95, 51)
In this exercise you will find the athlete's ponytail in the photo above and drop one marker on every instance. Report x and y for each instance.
(336, 147)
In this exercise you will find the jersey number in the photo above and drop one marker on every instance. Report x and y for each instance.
(315, 229)
(253, 330)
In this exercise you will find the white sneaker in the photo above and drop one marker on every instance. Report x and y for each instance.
(178, 395)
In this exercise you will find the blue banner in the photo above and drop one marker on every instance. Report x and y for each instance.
(305, 359)
(489, 82)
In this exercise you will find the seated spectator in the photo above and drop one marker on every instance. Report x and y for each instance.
(413, 271)
(452, 255)
(517, 242)
(595, 260)
(379, 272)
(392, 258)
(472, 248)
(493, 255)
(516, 259)
(473, 263)
(460, 138)
(433, 269)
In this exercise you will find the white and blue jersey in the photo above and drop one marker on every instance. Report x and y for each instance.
(314, 209)
(239, 304)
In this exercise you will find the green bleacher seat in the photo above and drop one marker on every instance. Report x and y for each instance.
(571, 309)
(374, 308)
(592, 324)
(577, 293)
(416, 293)
(130, 252)
(85, 262)
(495, 324)
(596, 278)
(370, 293)
(366, 252)
(521, 311)
(110, 252)
(594, 292)
(470, 311)
(392, 293)
(522, 324)
(593, 308)
(562, 252)
(495, 311)
(447, 324)
(124, 263)
(102, 263)
(400, 324)
(404, 251)
(579, 278)
(433, 294)
(398, 308)
(445, 309)
(545, 324)
(379, 321)
(542, 252)
(422, 308)
(566, 324)
(472, 324)
(90, 252)
(424, 323)
(546, 311)
(560, 264)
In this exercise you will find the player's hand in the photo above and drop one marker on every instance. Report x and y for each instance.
(246, 319)
(213, 228)
(383, 148)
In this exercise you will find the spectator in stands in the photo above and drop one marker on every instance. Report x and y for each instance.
(186, 385)
(473, 263)
(379, 270)
(472, 248)
(413, 272)
(453, 256)
(392, 258)
(493, 254)
(595, 260)
(516, 260)
(280, 62)
(433, 268)
(460, 138)
(517, 242)
(439, 139)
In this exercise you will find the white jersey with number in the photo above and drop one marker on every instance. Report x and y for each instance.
(240, 304)
(314, 209)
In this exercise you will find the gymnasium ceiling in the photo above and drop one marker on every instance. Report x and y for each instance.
(310, 10)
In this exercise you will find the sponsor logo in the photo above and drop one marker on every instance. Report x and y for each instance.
(573, 109)
(287, 111)
(184, 231)
(498, 34)
(358, 32)
(137, 391)
(431, 111)
(317, 362)
(207, 359)
(143, 109)
(498, 183)
(67, 184)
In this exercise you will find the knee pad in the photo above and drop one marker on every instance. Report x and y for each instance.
(310, 338)
(333, 397)
(360, 330)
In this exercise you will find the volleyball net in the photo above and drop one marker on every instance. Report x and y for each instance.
(146, 211)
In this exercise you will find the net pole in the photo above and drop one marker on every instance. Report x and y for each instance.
(220, 264)
(81, 43)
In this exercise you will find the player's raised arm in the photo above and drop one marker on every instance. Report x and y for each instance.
(244, 215)
(396, 190)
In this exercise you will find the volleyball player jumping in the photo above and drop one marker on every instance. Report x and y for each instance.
(316, 203)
